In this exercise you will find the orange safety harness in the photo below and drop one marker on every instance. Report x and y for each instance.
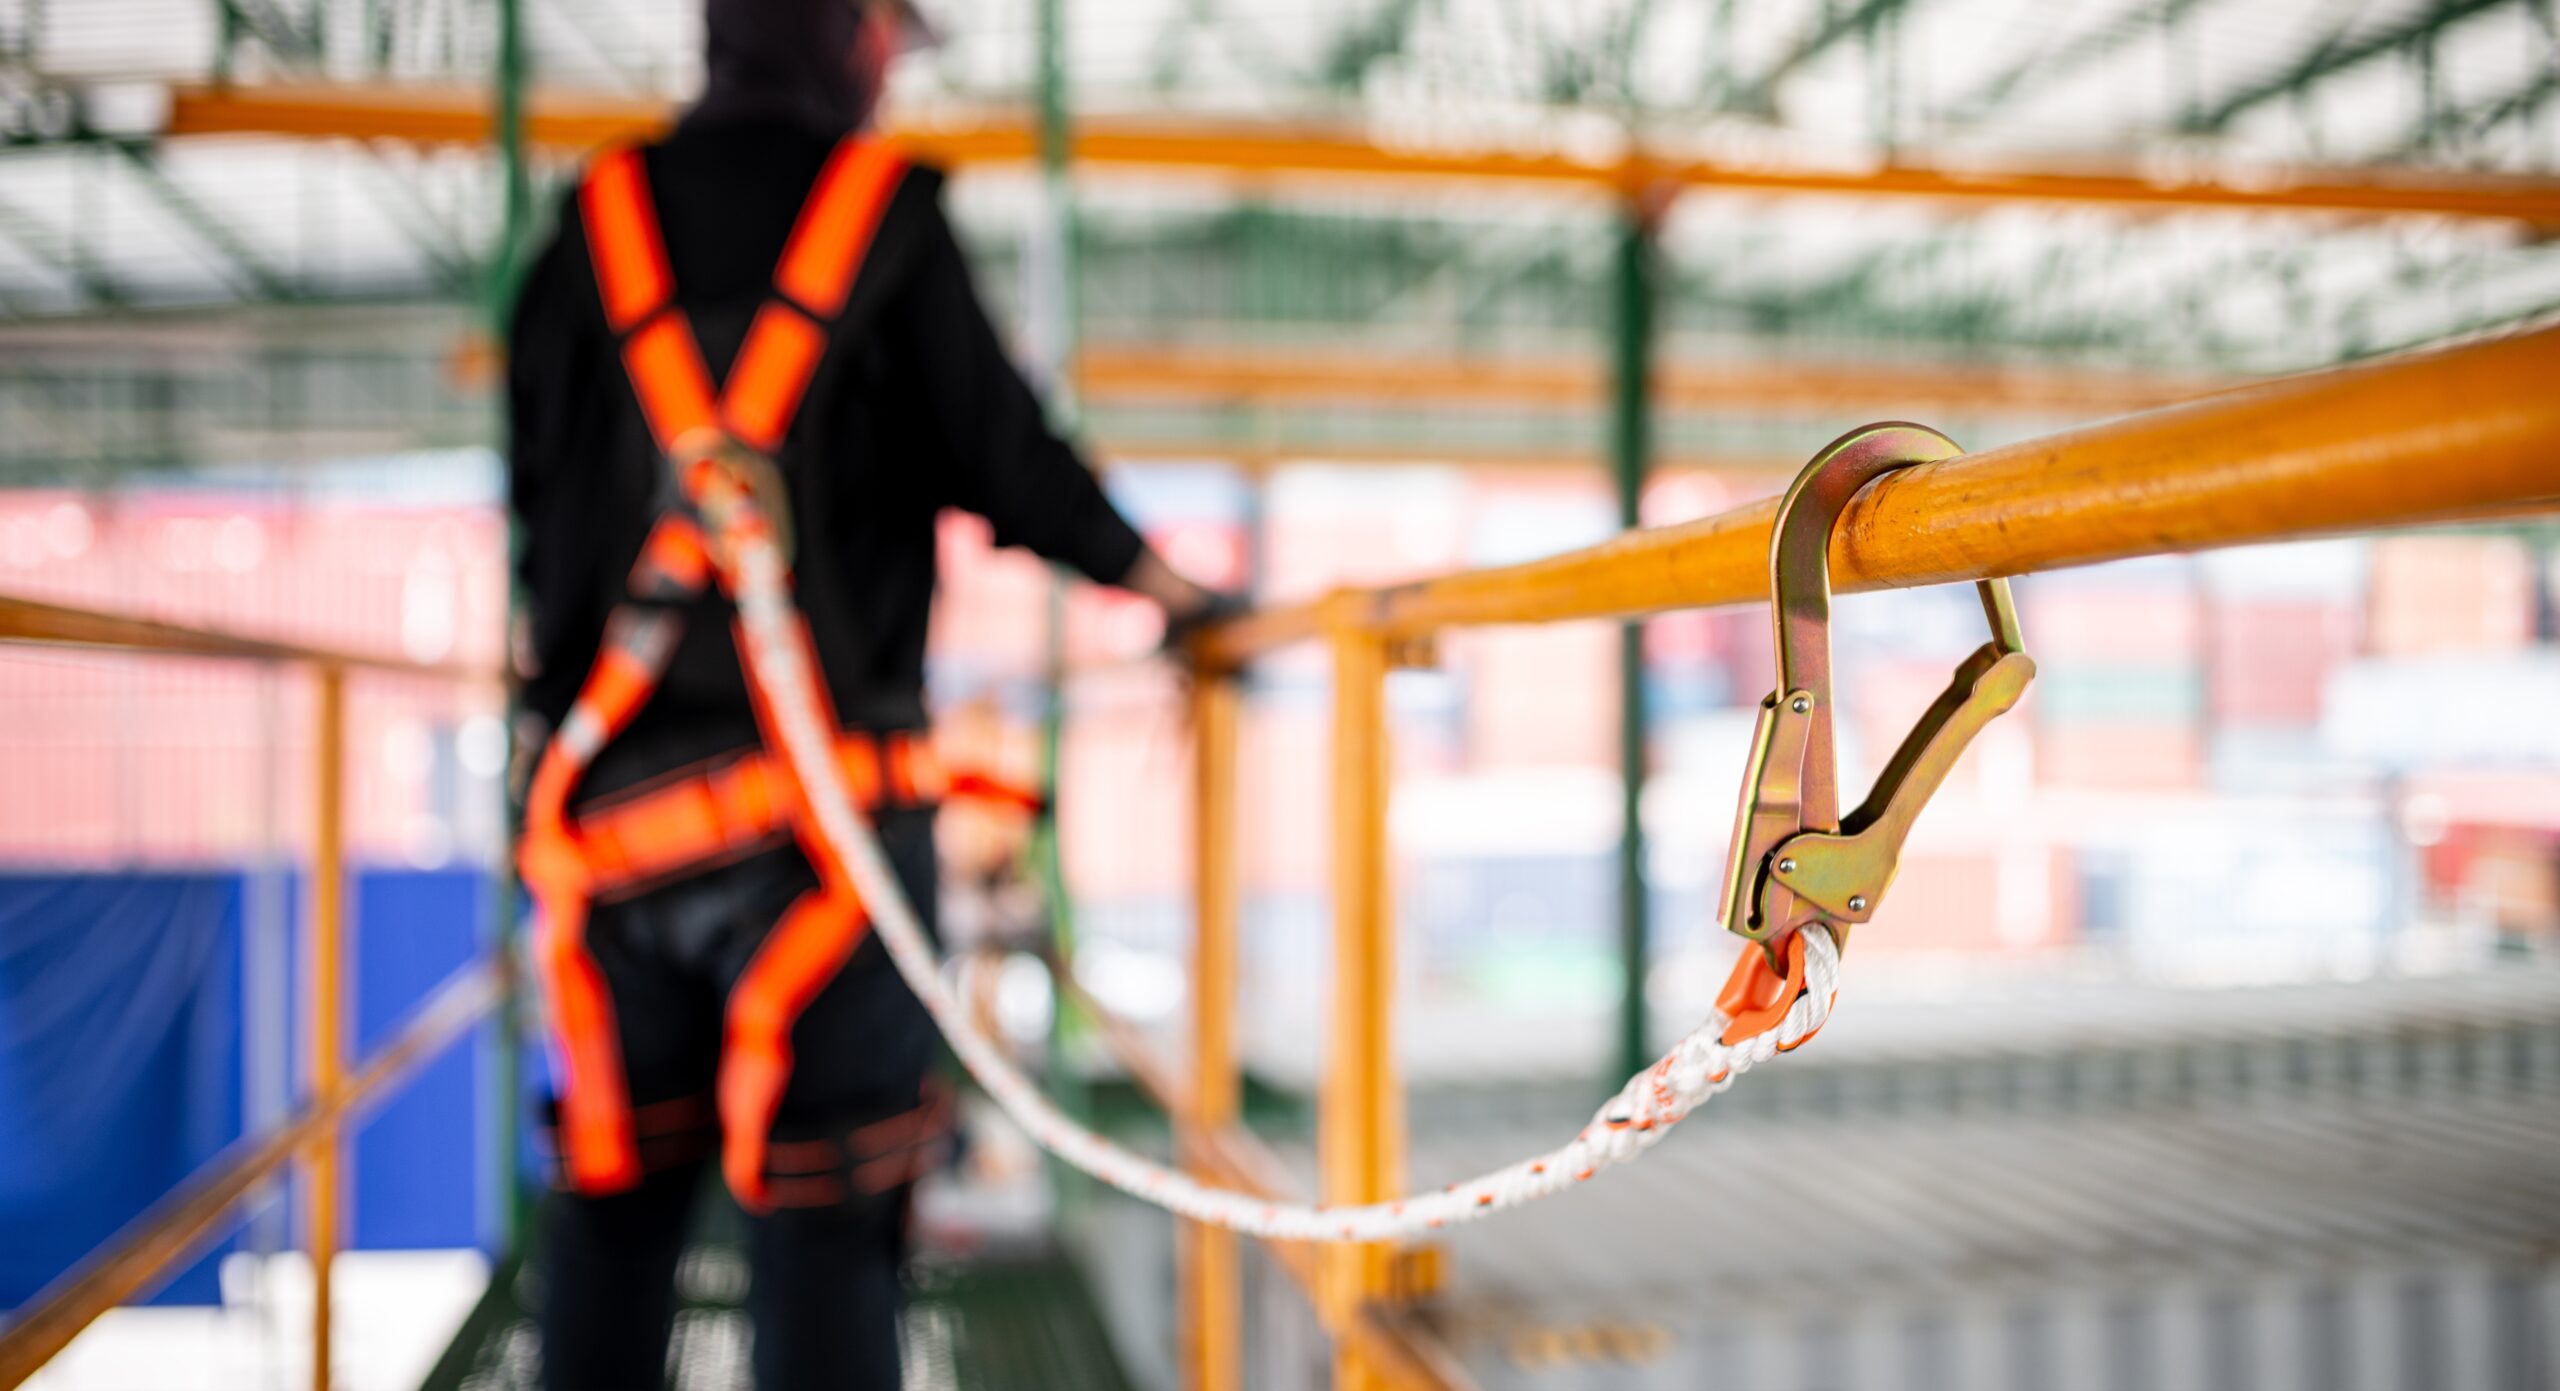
(720, 443)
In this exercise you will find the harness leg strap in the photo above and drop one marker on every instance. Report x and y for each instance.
(800, 955)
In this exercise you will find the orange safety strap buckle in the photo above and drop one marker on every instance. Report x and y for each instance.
(1795, 860)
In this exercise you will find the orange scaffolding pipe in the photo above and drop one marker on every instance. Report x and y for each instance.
(2451, 435)
(572, 121)
(1223, 373)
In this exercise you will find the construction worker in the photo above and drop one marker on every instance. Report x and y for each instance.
(772, 275)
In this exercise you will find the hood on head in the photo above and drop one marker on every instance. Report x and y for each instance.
(815, 62)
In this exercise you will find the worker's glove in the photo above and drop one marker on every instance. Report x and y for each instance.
(1213, 609)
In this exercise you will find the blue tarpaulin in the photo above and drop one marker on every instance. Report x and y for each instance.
(122, 1006)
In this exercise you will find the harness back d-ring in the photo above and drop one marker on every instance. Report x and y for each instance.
(1795, 859)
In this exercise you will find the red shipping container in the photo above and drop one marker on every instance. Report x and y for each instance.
(2269, 659)
(2119, 754)
(2449, 594)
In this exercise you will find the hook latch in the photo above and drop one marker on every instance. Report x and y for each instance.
(1794, 859)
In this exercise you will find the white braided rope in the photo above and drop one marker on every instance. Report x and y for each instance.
(1633, 1121)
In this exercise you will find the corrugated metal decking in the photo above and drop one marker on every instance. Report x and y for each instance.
(2306, 1187)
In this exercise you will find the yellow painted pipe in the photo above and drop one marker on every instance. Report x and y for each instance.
(1211, 1269)
(325, 955)
(2450, 435)
(1360, 1108)
(31, 621)
(575, 121)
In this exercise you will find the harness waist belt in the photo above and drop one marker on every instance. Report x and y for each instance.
(735, 806)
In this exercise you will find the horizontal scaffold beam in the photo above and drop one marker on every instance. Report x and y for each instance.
(573, 121)
(2462, 433)
(1259, 457)
(1232, 375)
(33, 621)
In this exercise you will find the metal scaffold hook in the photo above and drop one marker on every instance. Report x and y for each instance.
(1795, 860)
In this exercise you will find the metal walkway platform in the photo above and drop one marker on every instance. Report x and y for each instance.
(1015, 1322)
(2334, 1186)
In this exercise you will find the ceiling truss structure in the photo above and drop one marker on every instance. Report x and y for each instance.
(104, 212)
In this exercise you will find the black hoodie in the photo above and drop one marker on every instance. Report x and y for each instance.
(914, 408)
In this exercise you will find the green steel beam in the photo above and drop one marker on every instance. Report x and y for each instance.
(516, 201)
(1246, 44)
(2335, 54)
(1836, 25)
(1366, 41)
(1630, 451)
(578, 22)
(261, 21)
(2414, 277)
(2480, 117)
(2431, 127)
(1624, 40)
(516, 1197)
(2437, 282)
(55, 250)
(1045, 857)
(449, 270)
(1860, 282)
(2536, 313)
(207, 227)
(302, 52)
(2044, 69)
(1716, 76)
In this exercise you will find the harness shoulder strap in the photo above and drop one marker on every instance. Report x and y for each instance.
(623, 241)
(638, 290)
(836, 225)
(812, 283)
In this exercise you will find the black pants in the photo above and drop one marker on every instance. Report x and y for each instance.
(823, 1288)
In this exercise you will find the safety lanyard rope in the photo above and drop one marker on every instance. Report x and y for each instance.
(1776, 999)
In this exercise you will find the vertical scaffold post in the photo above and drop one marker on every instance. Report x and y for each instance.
(512, 1196)
(1049, 292)
(324, 952)
(1049, 330)
(1360, 1123)
(516, 191)
(1630, 445)
(1212, 1290)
